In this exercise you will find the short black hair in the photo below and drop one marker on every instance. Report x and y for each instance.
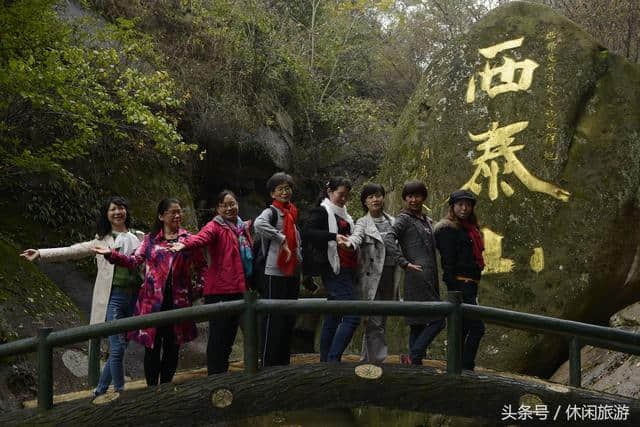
(414, 187)
(333, 184)
(337, 181)
(277, 179)
(369, 189)
(221, 195)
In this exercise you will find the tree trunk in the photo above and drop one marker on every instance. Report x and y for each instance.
(325, 386)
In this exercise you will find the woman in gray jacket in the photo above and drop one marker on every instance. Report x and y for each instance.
(280, 238)
(377, 275)
(417, 255)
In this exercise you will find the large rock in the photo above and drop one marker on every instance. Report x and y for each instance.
(29, 300)
(243, 162)
(606, 370)
(532, 114)
(145, 188)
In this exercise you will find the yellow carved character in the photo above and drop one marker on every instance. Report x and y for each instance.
(496, 143)
(510, 80)
(494, 263)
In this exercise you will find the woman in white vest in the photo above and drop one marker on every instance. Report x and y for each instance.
(377, 274)
(116, 289)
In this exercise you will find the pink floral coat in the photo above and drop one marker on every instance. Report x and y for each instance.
(158, 262)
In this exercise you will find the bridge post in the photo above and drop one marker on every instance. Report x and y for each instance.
(575, 369)
(45, 369)
(454, 334)
(94, 361)
(250, 332)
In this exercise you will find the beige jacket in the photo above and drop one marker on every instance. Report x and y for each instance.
(371, 254)
(102, 287)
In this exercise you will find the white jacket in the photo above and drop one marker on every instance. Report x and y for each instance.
(102, 287)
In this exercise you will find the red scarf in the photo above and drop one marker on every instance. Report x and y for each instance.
(476, 241)
(289, 230)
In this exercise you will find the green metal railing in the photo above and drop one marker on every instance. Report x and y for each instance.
(251, 307)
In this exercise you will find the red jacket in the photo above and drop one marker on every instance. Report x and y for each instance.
(224, 274)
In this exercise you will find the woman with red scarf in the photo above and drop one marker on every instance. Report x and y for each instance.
(460, 244)
(276, 225)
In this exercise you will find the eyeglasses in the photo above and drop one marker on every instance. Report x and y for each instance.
(285, 189)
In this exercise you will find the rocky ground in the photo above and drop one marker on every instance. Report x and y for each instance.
(606, 370)
(18, 379)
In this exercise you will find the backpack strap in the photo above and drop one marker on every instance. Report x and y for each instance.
(274, 216)
(273, 221)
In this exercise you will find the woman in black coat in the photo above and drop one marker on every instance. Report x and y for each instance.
(460, 244)
(326, 233)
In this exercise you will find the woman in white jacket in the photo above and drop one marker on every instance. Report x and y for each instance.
(377, 274)
(116, 289)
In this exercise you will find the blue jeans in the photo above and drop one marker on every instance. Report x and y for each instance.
(121, 305)
(420, 337)
(338, 330)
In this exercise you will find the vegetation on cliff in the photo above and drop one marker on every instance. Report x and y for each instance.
(68, 87)
(134, 97)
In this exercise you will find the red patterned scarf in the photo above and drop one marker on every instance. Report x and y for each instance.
(476, 241)
(289, 230)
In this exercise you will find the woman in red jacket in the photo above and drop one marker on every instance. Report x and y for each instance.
(229, 259)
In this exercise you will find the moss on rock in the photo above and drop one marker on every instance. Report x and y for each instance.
(28, 299)
(582, 136)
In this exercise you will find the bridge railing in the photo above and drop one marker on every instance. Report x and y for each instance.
(251, 307)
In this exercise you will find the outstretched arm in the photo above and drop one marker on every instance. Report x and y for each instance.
(356, 238)
(31, 254)
(128, 261)
(77, 251)
(204, 237)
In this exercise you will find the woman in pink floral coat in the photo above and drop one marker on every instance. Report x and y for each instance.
(167, 285)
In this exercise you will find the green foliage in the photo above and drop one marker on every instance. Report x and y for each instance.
(246, 62)
(342, 71)
(614, 23)
(66, 89)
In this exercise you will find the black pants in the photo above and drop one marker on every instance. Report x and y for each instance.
(157, 366)
(277, 329)
(421, 336)
(472, 329)
(222, 334)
